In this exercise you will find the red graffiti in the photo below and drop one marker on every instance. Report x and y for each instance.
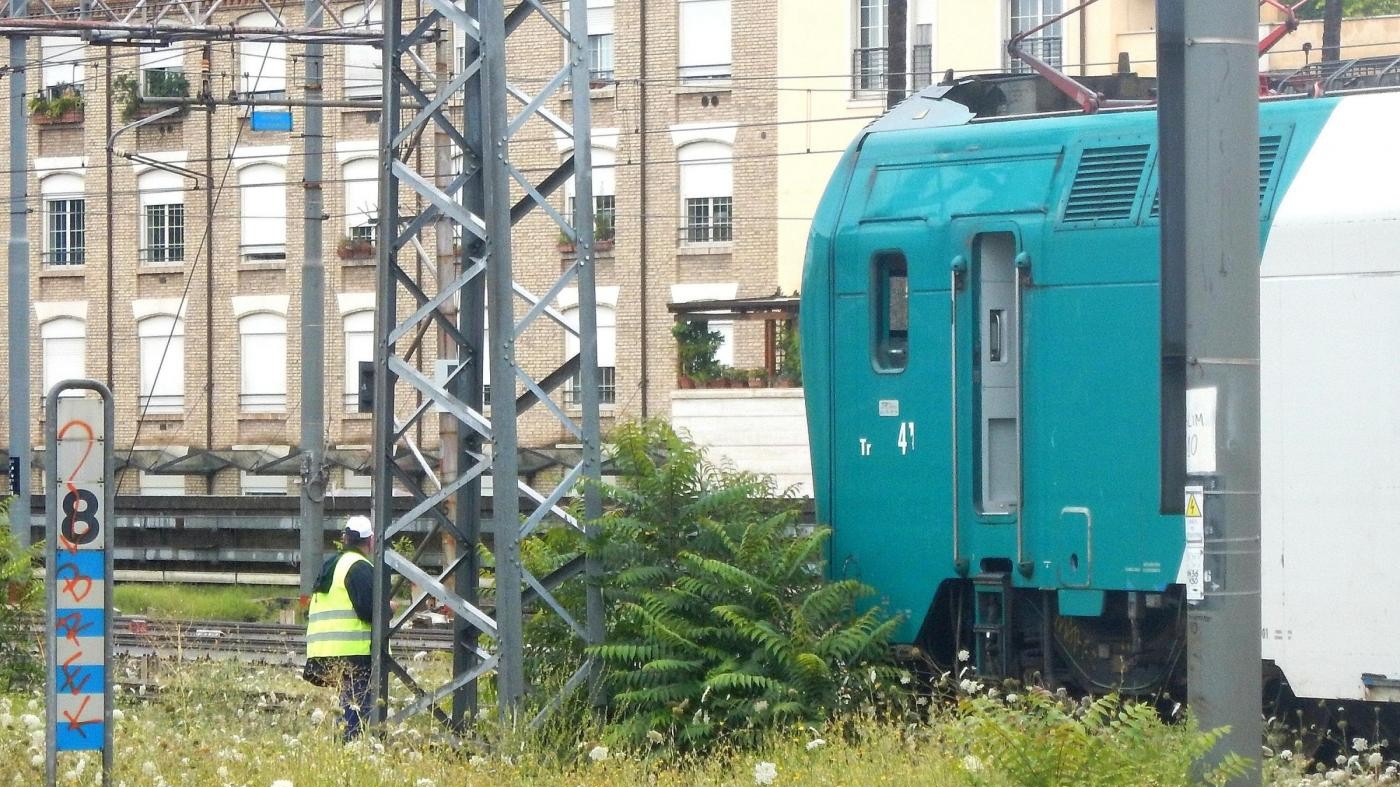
(63, 541)
(69, 627)
(71, 584)
(70, 673)
(73, 718)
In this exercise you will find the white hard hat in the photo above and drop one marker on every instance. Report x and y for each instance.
(360, 526)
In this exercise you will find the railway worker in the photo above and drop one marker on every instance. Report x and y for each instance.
(338, 624)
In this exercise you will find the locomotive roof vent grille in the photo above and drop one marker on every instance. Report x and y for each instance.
(1268, 160)
(1106, 184)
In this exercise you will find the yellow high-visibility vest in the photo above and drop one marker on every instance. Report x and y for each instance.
(333, 628)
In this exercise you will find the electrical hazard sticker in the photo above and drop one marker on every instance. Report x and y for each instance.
(1193, 556)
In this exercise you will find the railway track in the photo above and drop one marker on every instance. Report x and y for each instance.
(261, 642)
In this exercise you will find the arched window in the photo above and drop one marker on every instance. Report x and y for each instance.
(361, 178)
(263, 190)
(162, 341)
(707, 192)
(363, 63)
(359, 346)
(607, 355)
(162, 216)
(65, 219)
(604, 195)
(263, 358)
(262, 65)
(65, 351)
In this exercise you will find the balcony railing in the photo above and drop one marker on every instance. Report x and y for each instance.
(869, 67)
(1047, 48)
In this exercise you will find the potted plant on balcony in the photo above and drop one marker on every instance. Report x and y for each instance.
(603, 232)
(564, 243)
(54, 107)
(758, 378)
(696, 346)
(128, 95)
(355, 249)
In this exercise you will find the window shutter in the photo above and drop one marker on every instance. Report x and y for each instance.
(264, 208)
(363, 63)
(706, 170)
(162, 57)
(65, 347)
(263, 340)
(361, 192)
(262, 65)
(158, 187)
(359, 346)
(162, 382)
(63, 60)
(704, 38)
(600, 19)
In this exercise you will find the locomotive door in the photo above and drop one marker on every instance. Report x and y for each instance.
(890, 332)
(986, 372)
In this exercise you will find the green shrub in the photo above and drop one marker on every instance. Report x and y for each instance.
(21, 596)
(722, 627)
(696, 346)
(1038, 738)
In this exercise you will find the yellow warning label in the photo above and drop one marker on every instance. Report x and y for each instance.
(1193, 506)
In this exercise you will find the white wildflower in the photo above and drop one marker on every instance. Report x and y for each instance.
(971, 763)
(1359, 744)
(476, 761)
(1374, 759)
(1285, 755)
(317, 716)
(872, 675)
(760, 706)
(1336, 777)
(655, 737)
(37, 761)
(1012, 699)
(992, 694)
(30, 720)
(421, 655)
(425, 782)
(904, 679)
(598, 754)
(117, 714)
(970, 686)
(283, 783)
(1341, 759)
(815, 744)
(222, 772)
(765, 773)
(964, 655)
(921, 701)
(149, 768)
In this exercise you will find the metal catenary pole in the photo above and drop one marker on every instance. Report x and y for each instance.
(468, 203)
(19, 277)
(1207, 56)
(313, 323)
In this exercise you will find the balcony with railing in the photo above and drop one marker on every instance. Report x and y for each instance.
(1047, 48)
(869, 70)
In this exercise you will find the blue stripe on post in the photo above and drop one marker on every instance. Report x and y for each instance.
(86, 563)
(76, 680)
(71, 623)
(82, 736)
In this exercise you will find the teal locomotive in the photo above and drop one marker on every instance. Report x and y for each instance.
(980, 345)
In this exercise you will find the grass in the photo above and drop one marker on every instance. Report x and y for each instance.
(220, 724)
(255, 603)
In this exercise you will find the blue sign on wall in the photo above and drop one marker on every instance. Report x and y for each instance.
(272, 120)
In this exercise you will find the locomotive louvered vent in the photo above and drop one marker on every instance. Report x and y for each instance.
(1268, 157)
(1106, 184)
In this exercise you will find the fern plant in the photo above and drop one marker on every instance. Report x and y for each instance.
(21, 594)
(721, 625)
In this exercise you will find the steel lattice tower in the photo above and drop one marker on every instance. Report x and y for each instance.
(474, 115)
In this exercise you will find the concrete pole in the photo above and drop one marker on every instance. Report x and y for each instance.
(313, 326)
(19, 277)
(1209, 136)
